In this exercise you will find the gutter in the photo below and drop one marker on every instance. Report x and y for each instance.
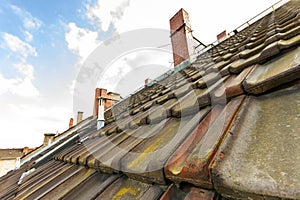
(65, 135)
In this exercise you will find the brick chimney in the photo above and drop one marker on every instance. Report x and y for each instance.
(115, 97)
(222, 36)
(79, 117)
(181, 37)
(48, 138)
(100, 92)
(111, 99)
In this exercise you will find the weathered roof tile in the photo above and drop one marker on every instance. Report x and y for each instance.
(282, 69)
(260, 158)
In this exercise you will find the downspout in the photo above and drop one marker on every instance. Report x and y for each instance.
(100, 119)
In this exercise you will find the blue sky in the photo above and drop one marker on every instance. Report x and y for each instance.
(43, 44)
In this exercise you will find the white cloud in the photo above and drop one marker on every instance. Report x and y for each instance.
(22, 87)
(28, 36)
(15, 44)
(105, 12)
(28, 123)
(29, 22)
(25, 69)
(81, 41)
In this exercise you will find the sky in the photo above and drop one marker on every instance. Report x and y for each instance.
(44, 45)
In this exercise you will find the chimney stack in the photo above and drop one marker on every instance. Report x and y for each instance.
(181, 37)
(100, 92)
(102, 102)
(113, 98)
(71, 122)
(222, 36)
(79, 117)
(48, 138)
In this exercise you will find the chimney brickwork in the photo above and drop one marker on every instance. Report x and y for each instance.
(222, 36)
(112, 98)
(181, 37)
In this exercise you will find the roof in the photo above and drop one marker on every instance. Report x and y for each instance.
(226, 126)
(8, 154)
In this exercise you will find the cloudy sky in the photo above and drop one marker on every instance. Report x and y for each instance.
(43, 45)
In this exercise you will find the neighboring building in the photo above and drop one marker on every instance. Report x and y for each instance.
(224, 126)
(10, 159)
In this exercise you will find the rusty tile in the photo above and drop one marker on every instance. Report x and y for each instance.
(190, 193)
(259, 158)
(173, 193)
(191, 161)
(201, 194)
(146, 161)
(232, 87)
(274, 73)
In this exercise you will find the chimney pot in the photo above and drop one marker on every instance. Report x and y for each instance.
(147, 81)
(71, 122)
(48, 138)
(79, 117)
(25, 150)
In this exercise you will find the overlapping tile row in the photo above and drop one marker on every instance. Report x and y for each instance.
(9, 182)
(191, 161)
(128, 144)
(59, 180)
(206, 126)
(256, 44)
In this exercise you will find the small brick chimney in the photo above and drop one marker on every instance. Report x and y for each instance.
(181, 37)
(79, 117)
(222, 36)
(71, 122)
(102, 102)
(100, 92)
(111, 99)
(48, 138)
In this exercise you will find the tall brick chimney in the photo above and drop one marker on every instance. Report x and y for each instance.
(181, 37)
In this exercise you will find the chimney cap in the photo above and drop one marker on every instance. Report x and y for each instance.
(179, 11)
(49, 134)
